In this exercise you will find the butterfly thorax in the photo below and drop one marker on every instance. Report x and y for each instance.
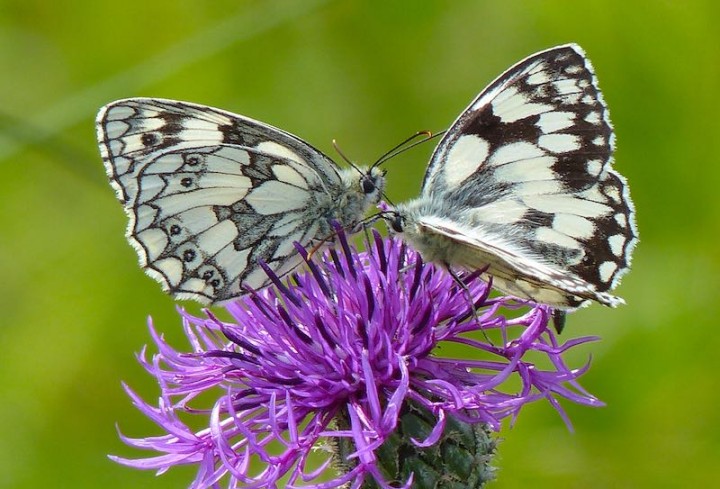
(407, 224)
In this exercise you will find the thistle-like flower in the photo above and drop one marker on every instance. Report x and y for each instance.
(317, 379)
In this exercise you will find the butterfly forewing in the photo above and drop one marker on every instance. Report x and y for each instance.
(548, 105)
(209, 194)
(530, 161)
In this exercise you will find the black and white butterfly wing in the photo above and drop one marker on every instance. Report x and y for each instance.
(528, 165)
(521, 275)
(209, 193)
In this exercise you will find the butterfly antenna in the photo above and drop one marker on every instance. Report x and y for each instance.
(407, 144)
(345, 158)
(402, 147)
(387, 200)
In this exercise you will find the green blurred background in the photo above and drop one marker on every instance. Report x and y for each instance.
(369, 73)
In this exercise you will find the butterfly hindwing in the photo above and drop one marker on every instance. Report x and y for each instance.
(519, 274)
(530, 162)
(209, 194)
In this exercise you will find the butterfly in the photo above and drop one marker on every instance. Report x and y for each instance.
(522, 184)
(209, 194)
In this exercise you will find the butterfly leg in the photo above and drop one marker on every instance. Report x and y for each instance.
(365, 226)
(469, 296)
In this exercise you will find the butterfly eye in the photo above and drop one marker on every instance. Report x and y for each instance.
(397, 223)
(368, 185)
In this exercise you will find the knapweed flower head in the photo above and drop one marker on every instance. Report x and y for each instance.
(333, 357)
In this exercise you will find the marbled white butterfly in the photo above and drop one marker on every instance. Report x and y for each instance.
(209, 193)
(522, 183)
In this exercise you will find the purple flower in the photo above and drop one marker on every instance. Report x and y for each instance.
(356, 338)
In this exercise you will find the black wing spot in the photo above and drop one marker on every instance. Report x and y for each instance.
(189, 255)
(492, 129)
(232, 134)
(175, 230)
(571, 170)
(535, 219)
(186, 182)
(193, 160)
(173, 123)
(149, 139)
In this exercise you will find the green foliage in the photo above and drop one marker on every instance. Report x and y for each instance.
(368, 73)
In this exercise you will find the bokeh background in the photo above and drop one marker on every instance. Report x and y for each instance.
(74, 303)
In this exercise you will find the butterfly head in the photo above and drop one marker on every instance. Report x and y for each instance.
(372, 185)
